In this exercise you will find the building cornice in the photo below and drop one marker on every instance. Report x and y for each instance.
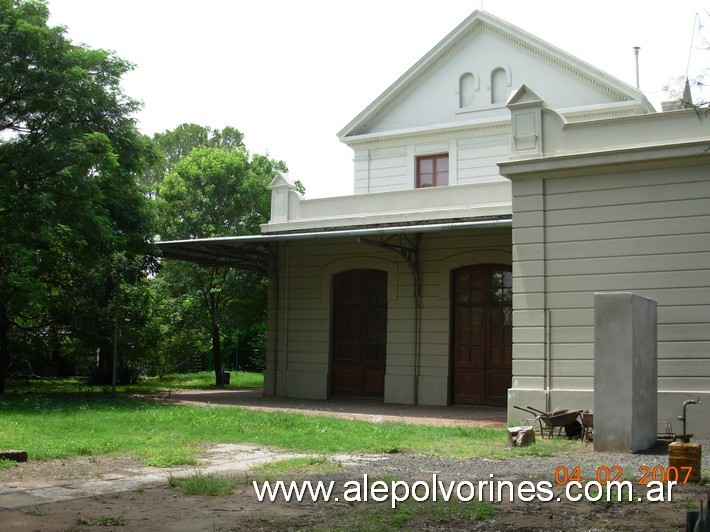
(604, 161)
(481, 128)
(415, 135)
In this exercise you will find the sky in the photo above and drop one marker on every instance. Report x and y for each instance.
(290, 74)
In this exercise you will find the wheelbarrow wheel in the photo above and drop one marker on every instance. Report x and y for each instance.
(573, 430)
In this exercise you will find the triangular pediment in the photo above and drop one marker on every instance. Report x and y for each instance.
(472, 73)
(524, 96)
(280, 181)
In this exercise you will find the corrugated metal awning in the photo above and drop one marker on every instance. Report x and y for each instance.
(255, 251)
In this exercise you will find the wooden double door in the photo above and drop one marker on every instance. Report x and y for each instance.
(359, 336)
(482, 334)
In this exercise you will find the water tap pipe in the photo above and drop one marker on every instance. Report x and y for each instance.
(683, 417)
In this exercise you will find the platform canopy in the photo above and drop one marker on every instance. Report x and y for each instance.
(255, 252)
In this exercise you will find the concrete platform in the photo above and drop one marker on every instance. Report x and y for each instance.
(362, 409)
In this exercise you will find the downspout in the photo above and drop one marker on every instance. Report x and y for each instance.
(417, 328)
(547, 360)
(285, 321)
(547, 341)
(275, 280)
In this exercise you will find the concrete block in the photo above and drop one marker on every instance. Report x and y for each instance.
(625, 372)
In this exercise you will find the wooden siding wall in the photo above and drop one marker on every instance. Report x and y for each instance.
(305, 272)
(391, 169)
(646, 232)
(381, 170)
(478, 158)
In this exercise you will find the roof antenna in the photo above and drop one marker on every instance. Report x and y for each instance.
(697, 25)
(636, 53)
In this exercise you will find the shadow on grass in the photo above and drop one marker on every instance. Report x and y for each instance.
(204, 380)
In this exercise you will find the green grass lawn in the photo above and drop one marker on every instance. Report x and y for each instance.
(173, 381)
(61, 425)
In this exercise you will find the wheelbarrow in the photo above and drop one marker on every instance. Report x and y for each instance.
(560, 418)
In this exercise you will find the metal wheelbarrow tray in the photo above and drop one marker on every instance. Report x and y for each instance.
(559, 418)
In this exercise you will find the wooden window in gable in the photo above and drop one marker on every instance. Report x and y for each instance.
(433, 170)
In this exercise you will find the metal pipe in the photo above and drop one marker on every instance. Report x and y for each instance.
(547, 378)
(285, 324)
(547, 360)
(417, 329)
(636, 53)
(682, 418)
(275, 279)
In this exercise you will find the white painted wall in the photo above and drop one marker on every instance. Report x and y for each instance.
(436, 98)
(306, 270)
(454, 101)
(393, 207)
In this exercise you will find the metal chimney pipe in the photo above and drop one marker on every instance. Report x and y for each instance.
(636, 53)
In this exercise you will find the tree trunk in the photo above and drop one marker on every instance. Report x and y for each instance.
(4, 346)
(217, 352)
(216, 341)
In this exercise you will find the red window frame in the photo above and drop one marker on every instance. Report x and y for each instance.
(433, 170)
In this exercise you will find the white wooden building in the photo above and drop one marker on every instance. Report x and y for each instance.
(498, 184)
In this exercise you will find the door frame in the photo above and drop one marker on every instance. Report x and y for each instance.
(489, 266)
(333, 336)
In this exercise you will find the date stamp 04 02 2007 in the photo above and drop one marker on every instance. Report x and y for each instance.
(606, 474)
(658, 479)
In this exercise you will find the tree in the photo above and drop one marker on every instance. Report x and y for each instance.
(178, 143)
(69, 156)
(215, 192)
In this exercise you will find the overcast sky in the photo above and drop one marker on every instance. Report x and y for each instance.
(290, 74)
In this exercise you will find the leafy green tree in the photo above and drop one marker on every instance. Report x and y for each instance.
(180, 318)
(178, 143)
(209, 193)
(69, 156)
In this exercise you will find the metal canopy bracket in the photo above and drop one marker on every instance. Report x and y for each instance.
(406, 246)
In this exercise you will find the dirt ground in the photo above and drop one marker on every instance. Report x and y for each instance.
(146, 502)
(155, 506)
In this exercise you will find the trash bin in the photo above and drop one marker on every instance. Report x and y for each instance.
(225, 377)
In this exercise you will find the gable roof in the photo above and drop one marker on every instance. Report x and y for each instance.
(481, 21)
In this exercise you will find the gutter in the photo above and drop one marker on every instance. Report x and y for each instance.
(325, 233)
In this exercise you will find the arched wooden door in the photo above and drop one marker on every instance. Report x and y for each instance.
(482, 334)
(359, 337)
